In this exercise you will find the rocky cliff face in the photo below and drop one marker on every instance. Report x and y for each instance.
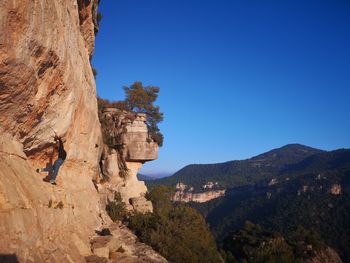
(198, 197)
(185, 193)
(47, 86)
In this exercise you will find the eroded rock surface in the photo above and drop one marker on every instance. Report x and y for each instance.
(185, 193)
(129, 147)
(47, 87)
(41, 222)
(123, 246)
(129, 130)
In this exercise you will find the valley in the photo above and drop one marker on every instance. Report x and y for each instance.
(282, 190)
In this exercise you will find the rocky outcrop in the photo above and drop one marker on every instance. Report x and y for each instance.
(47, 87)
(198, 197)
(129, 131)
(185, 193)
(121, 247)
(130, 146)
(126, 184)
(139, 146)
(327, 255)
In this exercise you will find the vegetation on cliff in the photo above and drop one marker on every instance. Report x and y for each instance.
(141, 99)
(116, 208)
(177, 232)
(138, 99)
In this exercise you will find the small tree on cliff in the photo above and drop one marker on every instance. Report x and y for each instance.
(141, 99)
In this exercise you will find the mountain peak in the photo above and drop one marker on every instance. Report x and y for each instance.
(287, 153)
(297, 146)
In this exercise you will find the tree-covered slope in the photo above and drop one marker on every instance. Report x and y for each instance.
(237, 173)
(314, 194)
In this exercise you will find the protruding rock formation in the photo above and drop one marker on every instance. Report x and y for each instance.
(138, 145)
(130, 146)
(47, 87)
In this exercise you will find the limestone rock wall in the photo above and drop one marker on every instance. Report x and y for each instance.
(46, 79)
(47, 86)
(185, 193)
(197, 197)
(41, 222)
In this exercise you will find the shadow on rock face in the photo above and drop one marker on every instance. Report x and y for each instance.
(8, 258)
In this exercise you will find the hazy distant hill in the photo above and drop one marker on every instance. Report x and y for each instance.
(313, 193)
(238, 173)
(143, 177)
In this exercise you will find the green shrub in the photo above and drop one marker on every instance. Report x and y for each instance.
(116, 208)
(141, 99)
(254, 244)
(177, 232)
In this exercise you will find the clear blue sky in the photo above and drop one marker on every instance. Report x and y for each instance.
(236, 78)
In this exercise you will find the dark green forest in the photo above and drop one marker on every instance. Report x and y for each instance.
(302, 198)
(253, 243)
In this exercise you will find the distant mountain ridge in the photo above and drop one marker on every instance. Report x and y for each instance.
(143, 177)
(242, 172)
(283, 189)
(313, 193)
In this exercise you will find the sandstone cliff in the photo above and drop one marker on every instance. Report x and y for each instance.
(47, 85)
(185, 193)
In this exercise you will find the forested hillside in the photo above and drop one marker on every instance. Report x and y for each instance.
(238, 173)
(313, 194)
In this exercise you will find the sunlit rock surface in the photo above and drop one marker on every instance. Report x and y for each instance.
(185, 193)
(47, 86)
(129, 132)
